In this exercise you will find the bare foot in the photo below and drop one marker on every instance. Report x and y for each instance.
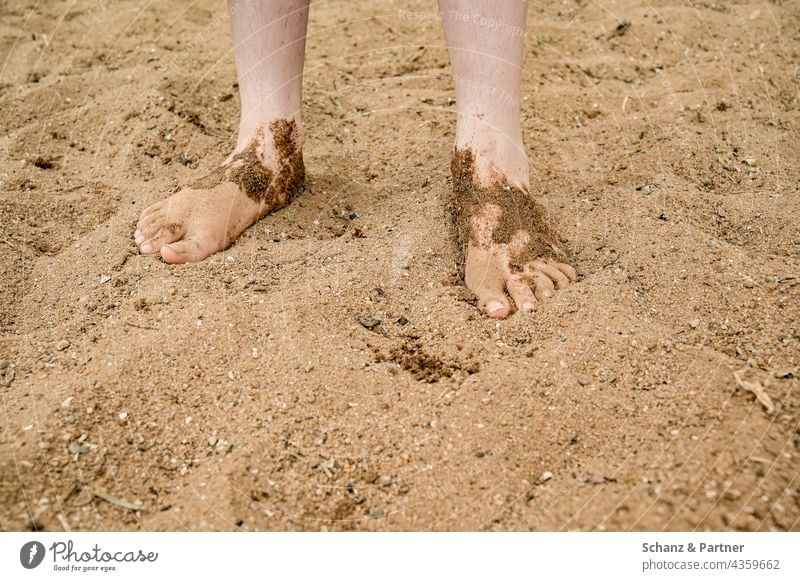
(261, 176)
(508, 241)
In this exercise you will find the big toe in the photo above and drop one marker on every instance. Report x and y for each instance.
(486, 278)
(490, 291)
(187, 250)
(496, 307)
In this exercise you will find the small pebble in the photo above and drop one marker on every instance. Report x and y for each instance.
(63, 344)
(369, 322)
(3, 363)
(694, 323)
(546, 475)
(733, 494)
(78, 449)
(377, 513)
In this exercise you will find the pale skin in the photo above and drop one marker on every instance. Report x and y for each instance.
(485, 44)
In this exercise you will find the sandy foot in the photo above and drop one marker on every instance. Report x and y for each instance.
(509, 243)
(210, 214)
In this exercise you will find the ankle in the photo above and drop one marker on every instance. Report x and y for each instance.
(498, 155)
(269, 132)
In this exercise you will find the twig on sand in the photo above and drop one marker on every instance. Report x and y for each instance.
(11, 244)
(73, 188)
(117, 501)
(140, 326)
(756, 389)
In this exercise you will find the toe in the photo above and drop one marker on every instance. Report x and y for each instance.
(559, 278)
(497, 308)
(485, 277)
(521, 292)
(492, 300)
(543, 286)
(571, 273)
(147, 226)
(147, 232)
(490, 291)
(151, 209)
(165, 235)
(145, 221)
(189, 250)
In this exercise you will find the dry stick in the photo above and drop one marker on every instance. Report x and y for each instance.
(139, 326)
(756, 389)
(117, 501)
(73, 188)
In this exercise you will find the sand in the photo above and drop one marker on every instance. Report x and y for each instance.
(327, 372)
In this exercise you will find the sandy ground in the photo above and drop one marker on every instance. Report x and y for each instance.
(327, 372)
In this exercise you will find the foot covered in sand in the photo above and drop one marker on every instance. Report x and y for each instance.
(261, 176)
(509, 245)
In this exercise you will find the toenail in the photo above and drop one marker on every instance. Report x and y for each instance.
(547, 293)
(527, 307)
(494, 306)
(146, 248)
